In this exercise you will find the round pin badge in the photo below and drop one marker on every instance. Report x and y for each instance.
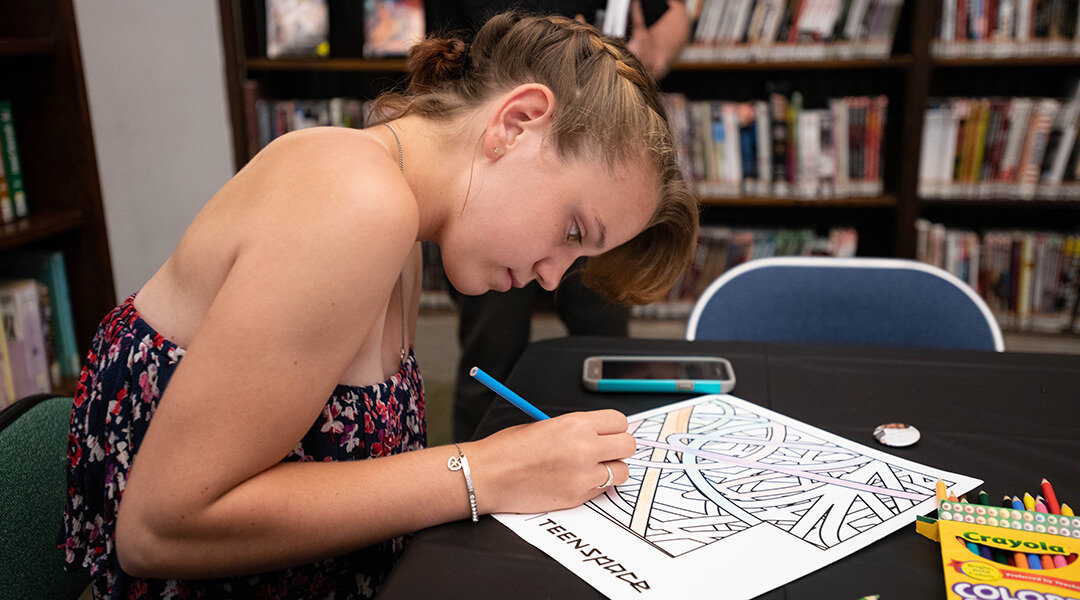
(896, 434)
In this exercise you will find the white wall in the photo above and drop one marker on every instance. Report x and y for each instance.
(155, 78)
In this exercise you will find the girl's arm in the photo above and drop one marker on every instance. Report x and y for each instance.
(207, 495)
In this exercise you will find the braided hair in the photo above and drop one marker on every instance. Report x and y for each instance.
(606, 106)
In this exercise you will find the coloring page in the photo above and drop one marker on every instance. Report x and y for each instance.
(726, 497)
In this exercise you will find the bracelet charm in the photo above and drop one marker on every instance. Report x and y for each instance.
(460, 463)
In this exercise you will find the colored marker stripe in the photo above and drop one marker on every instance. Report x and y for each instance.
(1010, 518)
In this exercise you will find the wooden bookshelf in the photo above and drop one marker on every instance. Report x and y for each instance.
(747, 201)
(1016, 61)
(909, 76)
(900, 61)
(360, 65)
(41, 73)
(44, 46)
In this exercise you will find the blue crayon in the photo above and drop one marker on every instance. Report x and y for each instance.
(505, 392)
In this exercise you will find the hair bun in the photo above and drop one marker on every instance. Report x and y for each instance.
(435, 60)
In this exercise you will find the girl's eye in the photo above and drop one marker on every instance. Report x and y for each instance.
(575, 233)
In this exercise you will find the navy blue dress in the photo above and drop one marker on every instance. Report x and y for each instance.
(126, 371)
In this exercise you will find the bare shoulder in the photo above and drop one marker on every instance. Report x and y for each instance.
(334, 175)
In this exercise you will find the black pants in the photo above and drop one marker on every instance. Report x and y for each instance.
(494, 329)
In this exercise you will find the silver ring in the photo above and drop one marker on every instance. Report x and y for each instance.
(610, 478)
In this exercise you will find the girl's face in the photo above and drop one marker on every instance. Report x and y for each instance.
(529, 216)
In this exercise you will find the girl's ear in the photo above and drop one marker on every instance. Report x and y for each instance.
(523, 110)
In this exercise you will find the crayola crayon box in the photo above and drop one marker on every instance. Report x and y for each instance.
(981, 547)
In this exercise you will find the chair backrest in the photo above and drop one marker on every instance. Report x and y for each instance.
(849, 301)
(33, 472)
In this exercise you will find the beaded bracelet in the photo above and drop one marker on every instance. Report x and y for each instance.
(460, 463)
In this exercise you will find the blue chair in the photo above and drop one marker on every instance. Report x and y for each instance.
(847, 301)
(33, 471)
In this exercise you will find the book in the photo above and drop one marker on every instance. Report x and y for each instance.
(21, 314)
(7, 208)
(297, 28)
(47, 331)
(1060, 147)
(392, 26)
(48, 268)
(9, 146)
(778, 104)
(616, 18)
(1038, 136)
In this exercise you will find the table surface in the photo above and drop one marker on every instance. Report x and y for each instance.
(1009, 419)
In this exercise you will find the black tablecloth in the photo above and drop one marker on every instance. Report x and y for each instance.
(1006, 418)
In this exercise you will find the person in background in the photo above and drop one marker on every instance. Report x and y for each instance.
(493, 329)
(225, 413)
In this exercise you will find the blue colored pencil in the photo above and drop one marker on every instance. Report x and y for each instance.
(505, 392)
(1033, 559)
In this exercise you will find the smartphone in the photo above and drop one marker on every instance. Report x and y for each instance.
(678, 374)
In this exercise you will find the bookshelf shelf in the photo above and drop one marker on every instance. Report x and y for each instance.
(791, 202)
(393, 65)
(901, 61)
(1003, 203)
(31, 46)
(1018, 61)
(39, 226)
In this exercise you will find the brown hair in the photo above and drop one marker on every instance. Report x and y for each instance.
(606, 105)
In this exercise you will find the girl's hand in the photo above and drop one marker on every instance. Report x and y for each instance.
(550, 465)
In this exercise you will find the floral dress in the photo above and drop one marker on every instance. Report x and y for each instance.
(127, 369)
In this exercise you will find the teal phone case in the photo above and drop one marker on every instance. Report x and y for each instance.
(655, 385)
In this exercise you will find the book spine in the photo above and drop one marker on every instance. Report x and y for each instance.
(764, 147)
(779, 127)
(1035, 147)
(12, 166)
(7, 392)
(1070, 123)
(19, 306)
(1019, 116)
(70, 360)
(841, 142)
(7, 208)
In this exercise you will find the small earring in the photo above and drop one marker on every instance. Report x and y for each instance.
(495, 150)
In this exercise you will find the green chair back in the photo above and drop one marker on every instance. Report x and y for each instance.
(33, 486)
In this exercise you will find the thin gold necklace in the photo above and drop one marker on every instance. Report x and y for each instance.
(401, 287)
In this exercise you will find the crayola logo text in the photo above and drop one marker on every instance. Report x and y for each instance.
(1011, 544)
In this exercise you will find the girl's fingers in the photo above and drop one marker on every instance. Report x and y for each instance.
(617, 446)
(613, 472)
(607, 421)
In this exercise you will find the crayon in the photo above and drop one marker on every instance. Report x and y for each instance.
(1051, 498)
(995, 554)
(1068, 512)
(977, 549)
(1049, 561)
(1019, 558)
